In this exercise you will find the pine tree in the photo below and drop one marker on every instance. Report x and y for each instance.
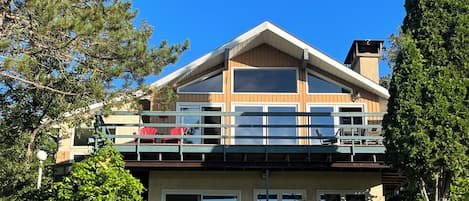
(427, 125)
(59, 57)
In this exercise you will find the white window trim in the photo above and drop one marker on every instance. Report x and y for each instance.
(203, 78)
(201, 192)
(264, 106)
(341, 192)
(279, 191)
(326, 79)
(265, 93)
(200, 105)
(336, 107)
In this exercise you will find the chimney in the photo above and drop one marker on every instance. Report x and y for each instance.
(363, 57)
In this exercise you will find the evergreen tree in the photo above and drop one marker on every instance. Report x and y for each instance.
(56, 59)
(427, 125)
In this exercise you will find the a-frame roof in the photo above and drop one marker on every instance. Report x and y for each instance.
(271, 34)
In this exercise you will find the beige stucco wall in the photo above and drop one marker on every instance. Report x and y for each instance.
(248, 181)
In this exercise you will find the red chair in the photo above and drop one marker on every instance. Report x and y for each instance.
(177, 131)
(147, 131)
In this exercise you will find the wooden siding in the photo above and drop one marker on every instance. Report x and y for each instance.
(267, 56)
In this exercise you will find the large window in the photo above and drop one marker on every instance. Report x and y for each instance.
(318, 84)
(326, 123)
(280, 195)
(265, 80)
(210, 195)
(81, 135)
(251, 132)
(341, 195)
(197, 131)
(208, 84)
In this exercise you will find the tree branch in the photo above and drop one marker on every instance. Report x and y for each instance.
(37, 85)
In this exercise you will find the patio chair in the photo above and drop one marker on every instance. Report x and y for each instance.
(147, 131)
(324, 141)
(177, 131)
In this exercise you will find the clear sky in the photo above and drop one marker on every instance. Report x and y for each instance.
(328, 25)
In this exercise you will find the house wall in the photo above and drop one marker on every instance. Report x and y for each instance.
(246, 182)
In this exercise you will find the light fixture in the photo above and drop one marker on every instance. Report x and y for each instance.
(42, 156)
(355, 96)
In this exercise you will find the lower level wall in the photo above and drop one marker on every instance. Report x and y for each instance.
(246, 183)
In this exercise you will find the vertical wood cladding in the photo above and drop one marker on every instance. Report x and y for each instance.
(267, 56)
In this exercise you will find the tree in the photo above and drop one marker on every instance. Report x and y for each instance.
(56, 59)
(102, 176)
(427, 125)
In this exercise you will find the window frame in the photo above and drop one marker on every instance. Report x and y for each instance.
(336, 108)
(201, 192)
(342, 193)
(265, 68)
(327, 80)
(73, 154)
(73, 137)
(179, 105)
(205, 76)
(279, 192)
(265, 106)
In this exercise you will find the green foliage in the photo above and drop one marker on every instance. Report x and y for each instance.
(100, 177)
(427, 125)
(57, 58)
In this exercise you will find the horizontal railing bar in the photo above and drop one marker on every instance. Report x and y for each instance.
(170, 125)
(240, 114)
(242, 137)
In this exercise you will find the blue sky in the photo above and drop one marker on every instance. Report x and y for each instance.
(328, 25)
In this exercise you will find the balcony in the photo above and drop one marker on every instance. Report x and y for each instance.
(245, 138)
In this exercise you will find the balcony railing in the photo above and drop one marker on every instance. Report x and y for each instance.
(243, 132)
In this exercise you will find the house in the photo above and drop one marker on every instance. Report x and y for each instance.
(263, 117)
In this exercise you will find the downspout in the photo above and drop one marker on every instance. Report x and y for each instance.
(267, 183)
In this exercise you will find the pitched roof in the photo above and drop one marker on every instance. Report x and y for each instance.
(271, 34)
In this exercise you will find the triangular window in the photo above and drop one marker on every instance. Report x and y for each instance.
(208, 84)
(317, 84)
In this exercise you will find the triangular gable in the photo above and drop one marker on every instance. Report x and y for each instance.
(271, 34)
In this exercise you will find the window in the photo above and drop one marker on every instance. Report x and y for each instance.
(201, 196)
(207, 84)
(145, 106)
(280, 195)
(79, 157)
(268, 80)
(203, 120)
(317, 84)
(341, 195)
(265, 120)
(326, 124)
(81, 135)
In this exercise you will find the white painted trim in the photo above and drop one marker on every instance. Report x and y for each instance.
(341, 192)
(75, 153)
(354, 77)
(201, 192)
(264, 106)
(263, 68)
(327, 80)
(203, 78)
(279, 192)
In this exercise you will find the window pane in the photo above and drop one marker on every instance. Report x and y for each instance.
(210, 84)
(292, 197)
(182, 197)
(78, 158)
(248, 120)
(323, 121)
(281, 120)
(211, 120)
(265, 80)
(348, 120)
(220, 198)
(82, 135)
(192, 120)
(355, 197)
(263, 197)
(318, 85)
(330, 197)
